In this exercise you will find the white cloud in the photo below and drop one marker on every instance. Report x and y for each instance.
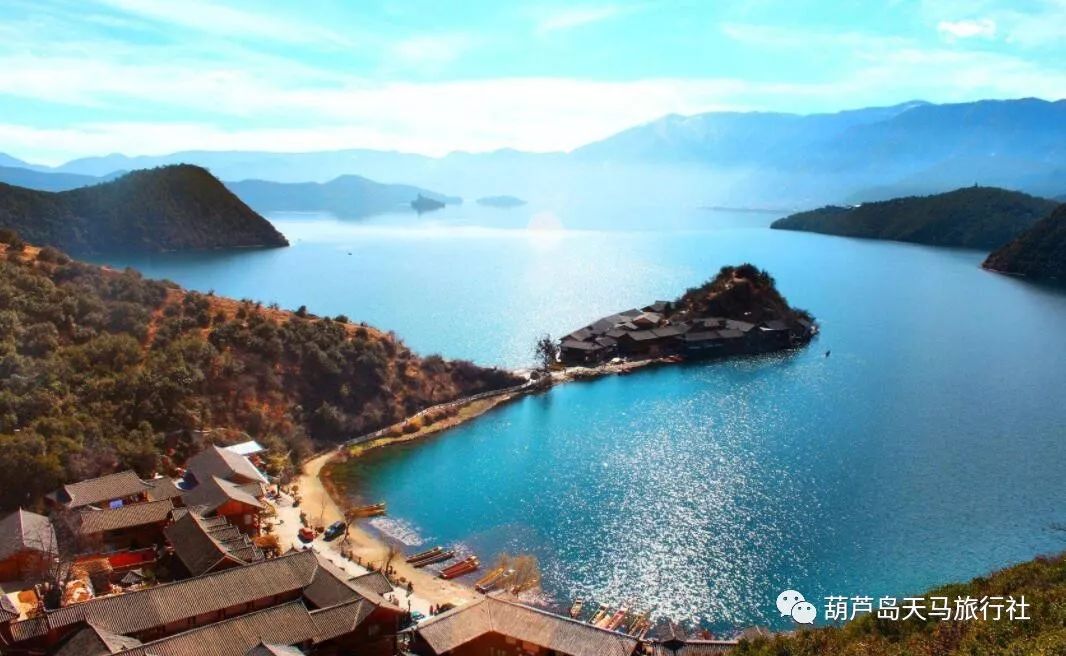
(431, 50)
(228, 21)
(574, 17)
(984, 28)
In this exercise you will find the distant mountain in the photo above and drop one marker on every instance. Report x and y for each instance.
(974, 217)
(501, 201)
(170, 208)
(49, 181)
(720, 158)
(1039, 252)
(8, 160)
(346, 196)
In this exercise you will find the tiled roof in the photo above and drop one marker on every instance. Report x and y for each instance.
(25, 531)
(375, 581)
(140, 610)
(216, 461)
(263, 649)
(215, 491)
(456, 627)
(202, 544)
(163, 488)
(303, 572)
(97, 490)
(286, 624)
(94, 641)
(341, 619)
(128, 516)
(332, 585)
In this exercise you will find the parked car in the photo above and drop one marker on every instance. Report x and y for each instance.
(335, 530)
(306, 535)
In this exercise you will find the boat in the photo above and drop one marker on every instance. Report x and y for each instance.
(435, 558)
(598, 615)
(616, 619)
(637, 624)
(604, 619)
(424, 554)
(372, 510)
(575, 610)
(465, 566)
(490, 580)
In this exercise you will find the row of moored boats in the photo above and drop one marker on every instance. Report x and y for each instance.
(621, 619)
(440, 555)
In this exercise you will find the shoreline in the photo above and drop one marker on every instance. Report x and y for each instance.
(324, 499)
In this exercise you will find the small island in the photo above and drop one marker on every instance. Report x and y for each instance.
(501, 201)
(738, 312)
(426, 204)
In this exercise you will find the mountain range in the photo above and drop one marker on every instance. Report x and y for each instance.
(170, 208)
(724, 158)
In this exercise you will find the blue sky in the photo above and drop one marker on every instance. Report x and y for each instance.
(86, 77)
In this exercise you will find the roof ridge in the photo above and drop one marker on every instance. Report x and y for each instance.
(294, 602)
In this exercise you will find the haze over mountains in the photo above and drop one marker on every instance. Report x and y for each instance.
(745, 159)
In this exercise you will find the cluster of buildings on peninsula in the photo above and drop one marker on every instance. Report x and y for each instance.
(120, 565)
(653, 332)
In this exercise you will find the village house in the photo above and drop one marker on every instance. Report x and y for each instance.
(239, 504)
(108, 491)
(328, 611)
(27, 545)
(209, 544)
(132, 526)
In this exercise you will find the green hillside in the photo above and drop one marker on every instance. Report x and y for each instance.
(1039, 252)
(178, 207)
(973, 217)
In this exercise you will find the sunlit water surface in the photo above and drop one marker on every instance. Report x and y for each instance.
(927, 448)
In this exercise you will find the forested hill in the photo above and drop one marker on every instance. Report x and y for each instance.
(1039, 252)
(972, 217)
(179, 207)
(1041, 582)
(102, 370)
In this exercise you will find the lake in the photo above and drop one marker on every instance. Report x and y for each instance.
(926, 449)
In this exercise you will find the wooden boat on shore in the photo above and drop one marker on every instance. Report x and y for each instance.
(465, 566)
(435, 558)
(637, 624)
(599, 614)
(616, 620)
(424, 554)
(494, 578)
(372, 510)
(575, 609)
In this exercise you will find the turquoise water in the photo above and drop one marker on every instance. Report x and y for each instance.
(926, 449)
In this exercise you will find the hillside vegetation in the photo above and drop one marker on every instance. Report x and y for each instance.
(1042, 582)
(1039, 252)
(102, 370)
(170, 208)
(743, 292)
(973, 217)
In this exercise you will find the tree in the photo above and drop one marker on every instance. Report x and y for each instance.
(546, 352)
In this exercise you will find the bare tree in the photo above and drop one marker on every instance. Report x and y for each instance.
(546, 352)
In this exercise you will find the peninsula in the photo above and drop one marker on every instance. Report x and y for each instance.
(1038, 253)
(973, 217)
(738, 312)
(172, 208)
